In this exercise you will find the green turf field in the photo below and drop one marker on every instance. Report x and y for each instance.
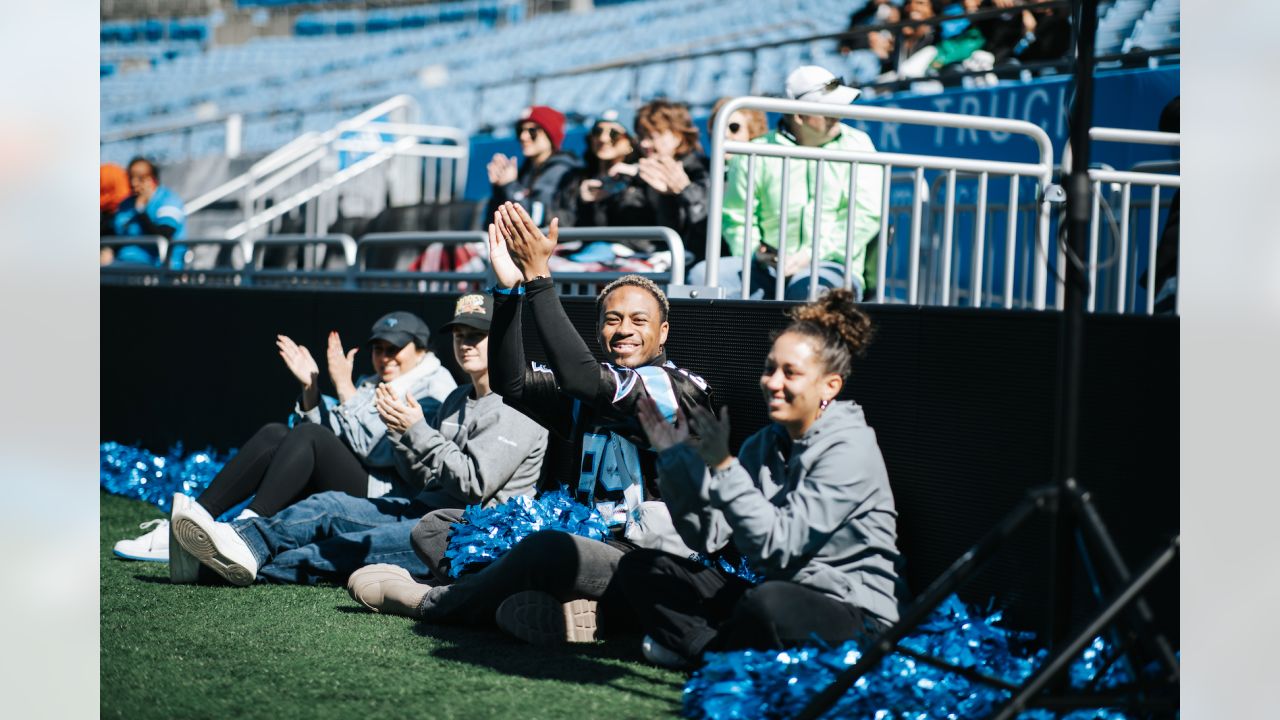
(186, 651)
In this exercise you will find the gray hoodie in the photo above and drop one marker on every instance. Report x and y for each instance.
(356, 421)
(816, 511)
(474, 451)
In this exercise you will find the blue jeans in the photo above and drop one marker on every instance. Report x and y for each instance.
(764, 277)
(328, 536)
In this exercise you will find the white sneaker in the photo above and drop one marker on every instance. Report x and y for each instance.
(662, 655)
(184, 568)
(150, 547)
(216, 545)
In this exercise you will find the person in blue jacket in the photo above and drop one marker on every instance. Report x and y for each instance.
(152, 209)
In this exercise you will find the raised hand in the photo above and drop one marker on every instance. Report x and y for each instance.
(662, 434)
(508, 273)
(502, 170)
(529, 248)
(677, 178)
(340, 365)
(654, 174)
(712, 442)
(299, 361)
(396, 415)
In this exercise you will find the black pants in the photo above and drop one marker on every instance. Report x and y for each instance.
(690, 608)
(279, 466)
(564, 565)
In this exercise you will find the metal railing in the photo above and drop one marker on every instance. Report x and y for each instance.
(340, 261)
(305, 172)
(1041, 171)
(1142, 175)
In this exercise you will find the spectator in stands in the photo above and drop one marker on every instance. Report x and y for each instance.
(870, 54)
(535, 182)
(806, 503)
(1046, 35)
(593, 196)
(1166, 261)
(343, 448)
(917, 48)
(959, 39)
(743, 125)
(113, 189)
(473, 450)
(546, 588)
(811, 84)
(152, 209)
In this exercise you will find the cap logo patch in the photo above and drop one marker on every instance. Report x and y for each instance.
(391, 322)
(469, 305)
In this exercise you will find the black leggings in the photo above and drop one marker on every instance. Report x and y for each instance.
(690, 608)
(279, 466)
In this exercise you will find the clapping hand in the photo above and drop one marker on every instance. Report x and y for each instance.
(502, 170)
(508, 273)
(299, 361)
(662, 434)
(712, 441)
(340, 365)
(664, 174)
(527, 246)
(396, 415)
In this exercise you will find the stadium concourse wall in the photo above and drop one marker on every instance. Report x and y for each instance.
(962, 400)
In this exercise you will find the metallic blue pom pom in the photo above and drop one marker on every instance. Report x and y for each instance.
(137, 473)
(486, 534)
(778, 684)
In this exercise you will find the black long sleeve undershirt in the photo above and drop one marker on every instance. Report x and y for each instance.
(568, 355)
(507, 363)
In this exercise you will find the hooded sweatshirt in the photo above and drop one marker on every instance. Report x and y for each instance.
(535, 187)
(817, 511)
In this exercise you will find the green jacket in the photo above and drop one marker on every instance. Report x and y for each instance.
(800, 206)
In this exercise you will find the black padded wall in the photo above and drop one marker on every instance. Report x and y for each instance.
(963, 403)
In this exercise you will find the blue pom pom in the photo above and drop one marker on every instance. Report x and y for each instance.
(778, 684)
(486, 534)
(142, 475)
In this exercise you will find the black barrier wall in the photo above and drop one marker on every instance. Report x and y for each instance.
(963, 403)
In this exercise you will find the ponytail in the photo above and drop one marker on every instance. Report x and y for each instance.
(841, 329)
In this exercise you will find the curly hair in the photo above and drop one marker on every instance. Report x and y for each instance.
(757, 122)
(644, 283)
(658, 115)
(841, 330)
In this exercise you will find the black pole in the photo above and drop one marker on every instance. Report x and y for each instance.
(1072, 339)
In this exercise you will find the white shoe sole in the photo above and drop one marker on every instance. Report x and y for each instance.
(539, 619)
(197, 542)
(128, 556)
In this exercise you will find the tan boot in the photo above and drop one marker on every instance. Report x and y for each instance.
(538, 618)
(385, 588)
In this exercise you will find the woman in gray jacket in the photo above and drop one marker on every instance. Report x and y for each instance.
(343, 448)
(806, 503)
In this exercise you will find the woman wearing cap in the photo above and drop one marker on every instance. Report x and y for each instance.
(591, 196)
(341, 448)
(533, 184)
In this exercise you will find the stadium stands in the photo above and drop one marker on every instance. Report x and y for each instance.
(467, 62)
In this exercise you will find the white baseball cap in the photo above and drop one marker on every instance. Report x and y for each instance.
(816, 84)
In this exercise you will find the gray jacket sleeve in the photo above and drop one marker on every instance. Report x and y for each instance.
(779, 538)
(498, 455)
(356, 421)
(683, 479)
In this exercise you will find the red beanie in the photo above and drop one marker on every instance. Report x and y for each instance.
(549, 119)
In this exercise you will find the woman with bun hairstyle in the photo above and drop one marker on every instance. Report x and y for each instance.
(343, 448)
(806, 503)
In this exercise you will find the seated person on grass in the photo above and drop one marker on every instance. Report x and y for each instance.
(806, 503)
(547, 588)
(474, 450)
(342, 448)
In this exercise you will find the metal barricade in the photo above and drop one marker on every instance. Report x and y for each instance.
(368, 278)
(1041, 171)
(1123, 281)
(312, 260)
(130, 273)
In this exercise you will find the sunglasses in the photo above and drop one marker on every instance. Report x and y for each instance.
(824, 88)
(533, 131)
(610, 134)
(735, 127)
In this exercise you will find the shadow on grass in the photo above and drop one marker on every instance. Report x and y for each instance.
(586, 663)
